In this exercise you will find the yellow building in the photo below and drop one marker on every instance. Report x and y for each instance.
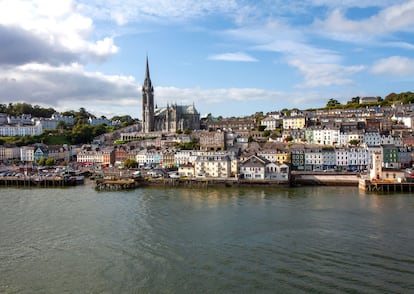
(294, 122)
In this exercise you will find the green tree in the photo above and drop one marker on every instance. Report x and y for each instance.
(50, 161)
(332, 103)
(266, 133)
(130, 163)
(81, 133)
(41, 161)
(99, 130)
(354, 142)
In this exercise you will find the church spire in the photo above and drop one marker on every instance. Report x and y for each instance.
(147, 103)
(147, 81)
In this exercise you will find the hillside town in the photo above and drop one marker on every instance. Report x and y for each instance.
(175, 141)
(258, 147)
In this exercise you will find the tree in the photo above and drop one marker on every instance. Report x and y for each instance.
(50, 161)
(41, 161)
(354, 142)
(130, 163)
(81, 133)
(266, 133)
(332, 103)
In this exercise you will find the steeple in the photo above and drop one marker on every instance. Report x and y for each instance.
(147, 81)
(147, 103)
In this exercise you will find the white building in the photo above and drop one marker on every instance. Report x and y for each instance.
(21, 130)
(270, 123)
(215, 166)
(27, 153)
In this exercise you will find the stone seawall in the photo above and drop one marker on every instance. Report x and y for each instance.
(326, 180)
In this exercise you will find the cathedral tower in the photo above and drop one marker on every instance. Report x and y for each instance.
(147, 103)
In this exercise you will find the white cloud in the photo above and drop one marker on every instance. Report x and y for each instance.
(394, 66)
(66, 86)
(399, 17)
(317, 75)
(237, 56)
(54, 28)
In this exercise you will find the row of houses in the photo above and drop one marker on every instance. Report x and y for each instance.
(301, 157)
(31, 154)
(25, 125)
(351, 159)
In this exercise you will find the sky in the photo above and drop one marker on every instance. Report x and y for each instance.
(228, 57)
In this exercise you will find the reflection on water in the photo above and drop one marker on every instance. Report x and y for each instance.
(311, 239)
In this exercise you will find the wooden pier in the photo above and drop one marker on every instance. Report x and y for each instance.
(385, 186)
(41, 182)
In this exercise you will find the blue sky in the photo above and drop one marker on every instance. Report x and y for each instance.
(228, 57)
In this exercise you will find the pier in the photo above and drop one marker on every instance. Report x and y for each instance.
(116, 184)
(41, 182)
(385, 186)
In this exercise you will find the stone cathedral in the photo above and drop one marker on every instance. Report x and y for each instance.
(167, 119)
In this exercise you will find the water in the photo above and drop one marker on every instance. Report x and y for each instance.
(301, 240)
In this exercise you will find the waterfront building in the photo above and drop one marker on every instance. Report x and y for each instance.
(167, 158)
(148, 157)
(390, 156)
(41, 151)
(8, 153)
(167, 119)
(313, 159)
(253, 168)
(341, 158)
(186, 170)
(105, 157)
(297, 159)
(378, 172)
(121, 154)
(214, 165)
(277, 171)
(58, 153)
(27, 153)
(328, 158)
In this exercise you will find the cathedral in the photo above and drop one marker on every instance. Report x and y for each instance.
(167, 119)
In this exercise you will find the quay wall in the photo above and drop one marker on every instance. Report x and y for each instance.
(325, 179)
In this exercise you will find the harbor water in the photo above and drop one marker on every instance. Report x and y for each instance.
(212, 240)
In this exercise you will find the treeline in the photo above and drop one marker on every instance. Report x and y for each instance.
(18, 109)
(354, 102)
(80, 116)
